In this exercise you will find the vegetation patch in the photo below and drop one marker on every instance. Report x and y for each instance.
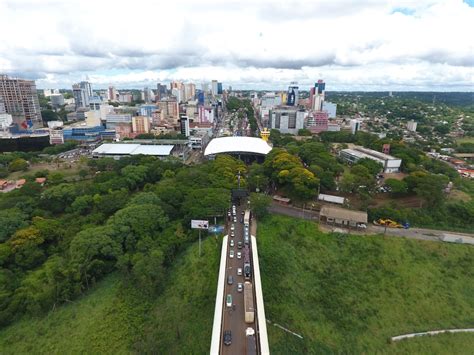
(351, 294)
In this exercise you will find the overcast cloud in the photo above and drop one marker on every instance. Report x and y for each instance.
(353, 45)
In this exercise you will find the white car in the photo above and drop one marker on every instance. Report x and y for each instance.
(231, 243)
(232, 227)
(239, 255)
(232, 234)
(240, 287)
(231, 254)
(239, 271)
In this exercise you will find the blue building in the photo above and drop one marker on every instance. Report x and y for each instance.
(88, 133)
(219, 88)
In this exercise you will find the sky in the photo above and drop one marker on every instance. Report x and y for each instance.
(363, 45)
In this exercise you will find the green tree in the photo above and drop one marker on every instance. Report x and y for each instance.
(304, 132)
(397, 187)
(18, 165)
(10, 220)
(257, 178)
(259, 204)
(374, 167)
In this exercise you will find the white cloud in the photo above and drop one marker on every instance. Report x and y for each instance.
(356, 44)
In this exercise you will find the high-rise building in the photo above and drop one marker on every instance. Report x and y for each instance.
(161, 91)
(184, 125)
(140, 124)
(330, 108)
(287, 119)
(20, 99)
(112, 94)
(219, 88)
(189, 91)
(147, 95)
(169, 109)
(293, 95)
(355, 126)
(214, 87)
(317, 99)
(81, 95)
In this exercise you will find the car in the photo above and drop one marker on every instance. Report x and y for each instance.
(239, 271)
(242, 220)
(231, 253)
(243, 213)
(239, 245)
(227, 337)
(232, 227)
(232, 234)
(239, 255)
(230, 280)
(228, 300)
(231, 243)
(228, 213)
(240, 287)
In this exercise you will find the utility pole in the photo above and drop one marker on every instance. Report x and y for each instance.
(199, 242)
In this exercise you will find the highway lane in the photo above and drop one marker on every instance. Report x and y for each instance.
(234, 320)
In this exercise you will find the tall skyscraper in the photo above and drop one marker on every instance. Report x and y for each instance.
(112, 94)
(20, 99)
(317, 98)
(214, 87)
(161, 91)
(81, 96)
(293, 95)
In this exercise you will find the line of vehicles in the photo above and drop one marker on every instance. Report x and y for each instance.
(243, 252)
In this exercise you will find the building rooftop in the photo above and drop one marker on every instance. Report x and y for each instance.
(133, 149)
(345, 214)
(237, 145)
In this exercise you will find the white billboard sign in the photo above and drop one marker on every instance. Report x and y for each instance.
(199, 224)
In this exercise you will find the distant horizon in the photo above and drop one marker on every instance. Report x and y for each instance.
(374, 45)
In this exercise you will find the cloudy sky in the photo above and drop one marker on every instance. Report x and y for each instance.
(353, 45)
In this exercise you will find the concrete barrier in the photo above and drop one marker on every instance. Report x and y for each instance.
(262, 323)
(216, 328)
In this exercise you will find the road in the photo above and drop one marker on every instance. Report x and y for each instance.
(413, 233)
(293, 211)
(234, 320)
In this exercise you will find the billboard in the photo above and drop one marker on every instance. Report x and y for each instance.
(199, 224)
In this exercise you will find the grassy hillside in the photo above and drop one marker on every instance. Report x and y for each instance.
(351, 293)
(100, 322)
(112, 319)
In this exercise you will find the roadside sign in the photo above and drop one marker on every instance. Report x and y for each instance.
(199, 224)
(216, 229)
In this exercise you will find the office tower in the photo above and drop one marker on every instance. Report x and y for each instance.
(147, 95)
(57, 100)
(317, 99)
(293, 95)
(161, 91)
(219, 88)
(214, 87)
(87, 87)
(330, 108)
(112, 94)
(81, 97)
(20, 99)
(189, 91)
(184, 125)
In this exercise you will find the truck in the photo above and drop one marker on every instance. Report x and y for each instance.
(251, 341)
(248, 303)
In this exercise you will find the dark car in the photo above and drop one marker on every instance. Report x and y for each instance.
(227, 337)
(230, 280)
(239, 245)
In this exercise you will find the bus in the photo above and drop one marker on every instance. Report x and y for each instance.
(247, 219)
(248, 303)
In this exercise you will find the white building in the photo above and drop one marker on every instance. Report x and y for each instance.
(411, 126)
(355, 126)
(287, 119)
(6, 121)
(56, 133)
(214, 87)
(113, 119)
(330, 108)
(57, 100)
(120, 150)
(390, 164)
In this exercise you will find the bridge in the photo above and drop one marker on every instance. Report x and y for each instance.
(239, 304)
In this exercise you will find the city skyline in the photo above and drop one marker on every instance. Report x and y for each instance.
(368, 46)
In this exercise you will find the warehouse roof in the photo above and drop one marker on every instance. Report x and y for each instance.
(133, 149)
(342, 213)
(237, 145)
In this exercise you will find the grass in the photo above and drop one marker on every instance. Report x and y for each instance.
(114, 319)
(350, 294)
(100, 322)
(465, 140)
